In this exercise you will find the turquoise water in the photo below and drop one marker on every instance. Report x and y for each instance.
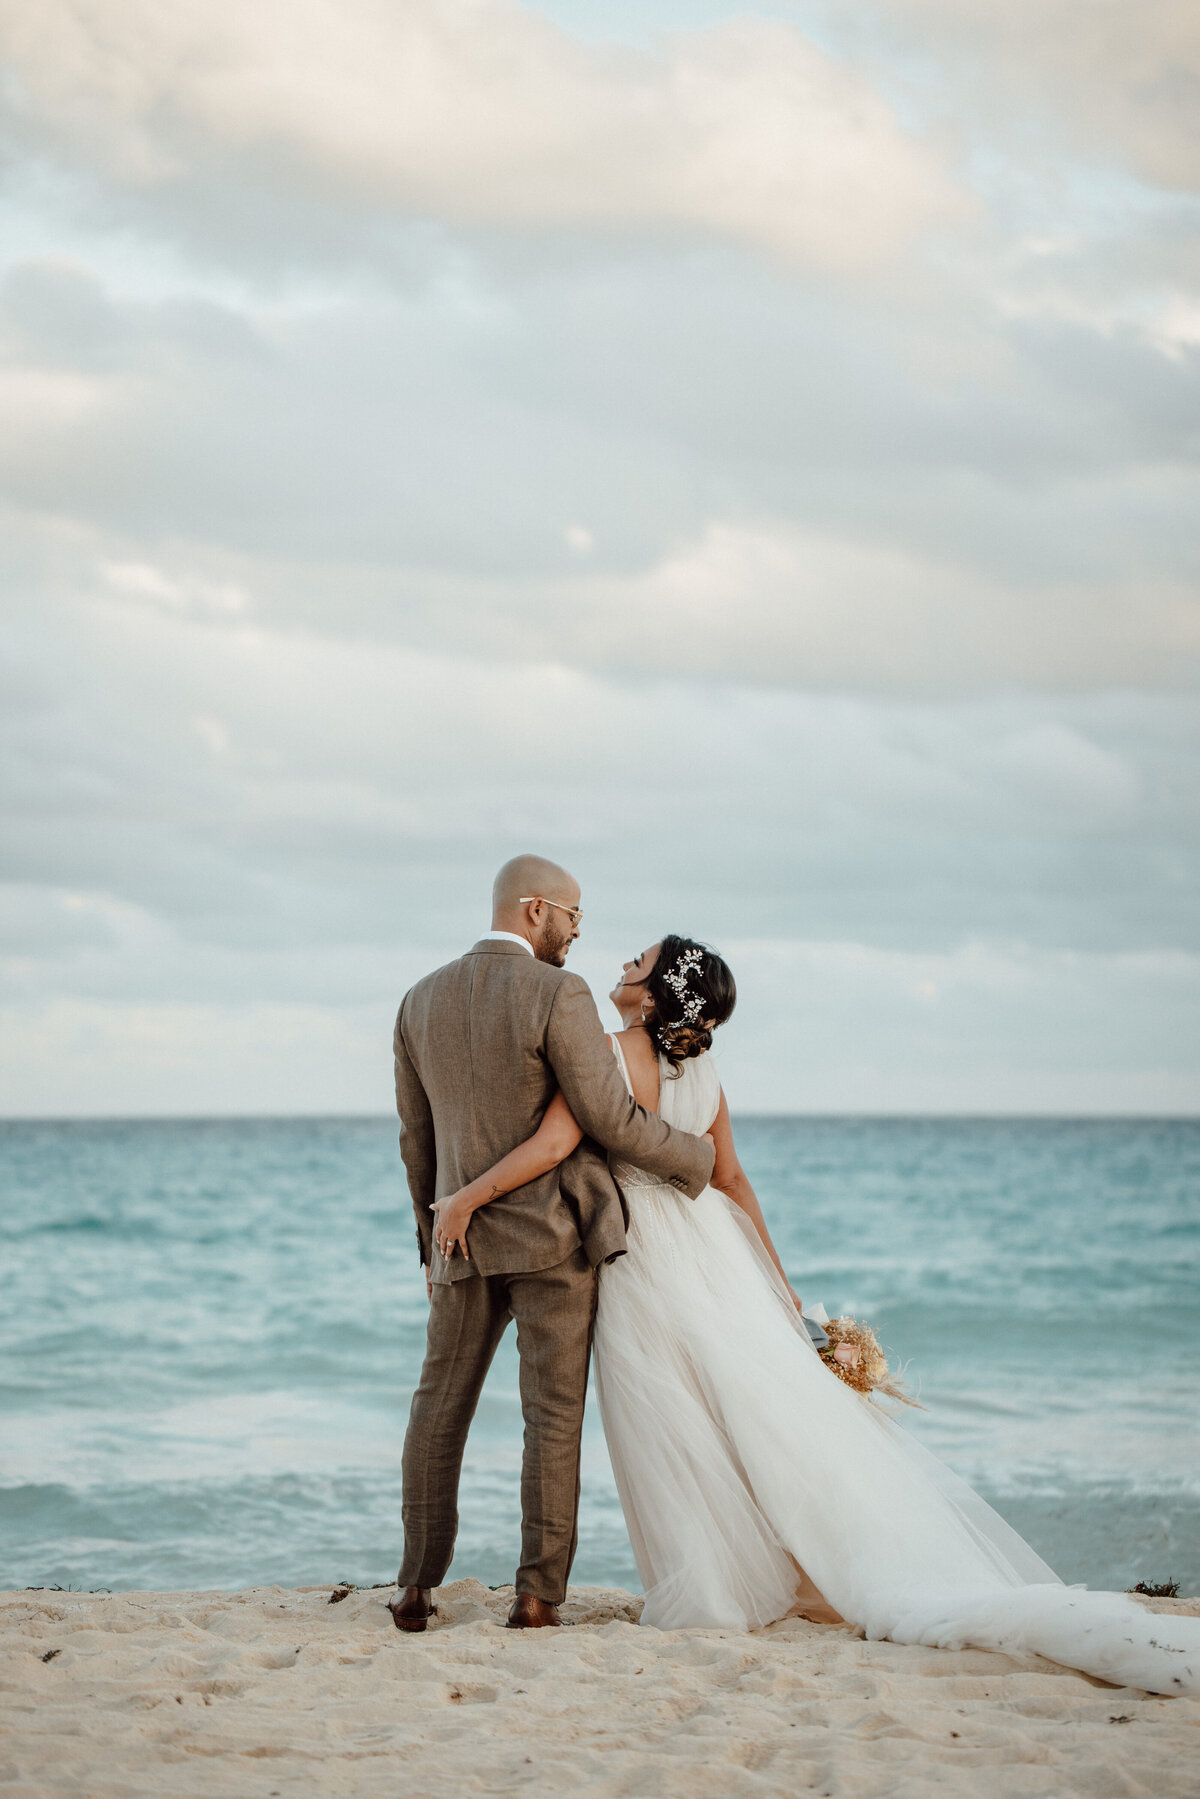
(209, 1332)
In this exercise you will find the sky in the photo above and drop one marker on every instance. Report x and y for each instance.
(749, 456)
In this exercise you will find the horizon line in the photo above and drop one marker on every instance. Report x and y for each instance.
(821, 1115)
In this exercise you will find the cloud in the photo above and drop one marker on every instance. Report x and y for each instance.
(187, 1061)
(768, 604)
(1125, 78)
(436, 435)
(803, 609)
(482, 113)
(231, 842)
(236, 808)
(981, 1027)
(831, 1025)
(817, 506)
(143, 581)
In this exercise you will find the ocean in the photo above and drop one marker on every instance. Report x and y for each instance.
(210, 1330)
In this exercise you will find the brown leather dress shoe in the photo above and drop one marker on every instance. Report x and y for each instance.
(529, 1613)
(412, 1610)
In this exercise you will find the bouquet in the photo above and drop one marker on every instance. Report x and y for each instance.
(851, 1351)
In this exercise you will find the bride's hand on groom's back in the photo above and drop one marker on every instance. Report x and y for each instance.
(451, 1216)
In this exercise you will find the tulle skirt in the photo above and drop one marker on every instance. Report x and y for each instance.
(743, 1465)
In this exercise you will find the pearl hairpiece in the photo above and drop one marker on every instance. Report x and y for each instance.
(690, 1004)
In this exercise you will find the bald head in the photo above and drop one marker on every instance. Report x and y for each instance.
(535, 899)
(530, 874)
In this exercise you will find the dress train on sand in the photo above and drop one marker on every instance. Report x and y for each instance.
(744, 1464)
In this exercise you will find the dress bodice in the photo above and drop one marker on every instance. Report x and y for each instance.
(688, 1100)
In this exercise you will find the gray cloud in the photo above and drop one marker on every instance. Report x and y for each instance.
(1125, 79)
(424, 472)
(236, 789)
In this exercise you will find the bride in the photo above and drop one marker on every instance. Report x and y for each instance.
(754, 1482)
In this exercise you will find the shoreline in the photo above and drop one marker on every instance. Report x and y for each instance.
(278, 1691)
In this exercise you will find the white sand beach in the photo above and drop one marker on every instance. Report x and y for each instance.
(272, 1692)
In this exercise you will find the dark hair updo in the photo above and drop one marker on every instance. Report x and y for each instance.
(693, 992)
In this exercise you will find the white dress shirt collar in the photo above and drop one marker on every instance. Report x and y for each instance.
(506, 937)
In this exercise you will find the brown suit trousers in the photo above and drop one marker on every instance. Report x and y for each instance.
(554, 1309)
(480, 1047)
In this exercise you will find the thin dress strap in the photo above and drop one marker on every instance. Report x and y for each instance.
(619, 1053)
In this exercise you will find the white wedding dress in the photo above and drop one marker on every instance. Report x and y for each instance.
(741, 1460)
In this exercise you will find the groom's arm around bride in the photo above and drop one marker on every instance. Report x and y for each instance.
(480, 1047)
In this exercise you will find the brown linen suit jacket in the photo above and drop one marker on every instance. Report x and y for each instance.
(480, 1047)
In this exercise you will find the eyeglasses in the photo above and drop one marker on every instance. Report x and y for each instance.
(574, 913)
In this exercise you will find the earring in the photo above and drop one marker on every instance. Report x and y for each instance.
(643, 1011)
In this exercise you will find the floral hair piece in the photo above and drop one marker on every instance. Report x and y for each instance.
(690, 1004)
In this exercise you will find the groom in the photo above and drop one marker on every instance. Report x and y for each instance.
(481, 1045)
